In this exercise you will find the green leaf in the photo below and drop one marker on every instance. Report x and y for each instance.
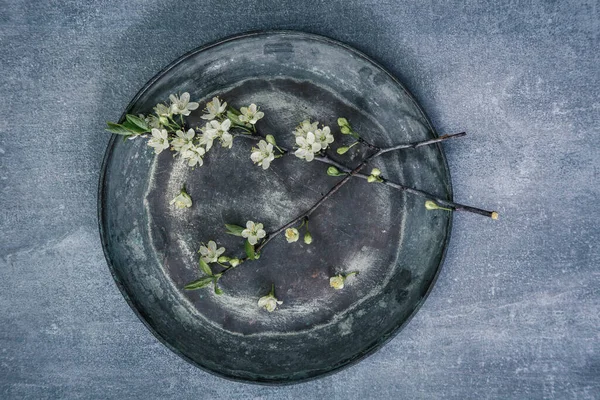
(234, 230)
(118, 129)
(249, 250)
(199, 284)
(204, 267)
(234, 118)
(133, 128)
(139, 122)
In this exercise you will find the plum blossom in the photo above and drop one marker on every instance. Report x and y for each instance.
(210, 253)
(182, 105)
(253, 232)
(251, 114)
(159, 140)
(307, 147)
(214, 109)
(263, 155)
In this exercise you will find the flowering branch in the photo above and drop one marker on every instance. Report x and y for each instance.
(311, 143)
(380, 151)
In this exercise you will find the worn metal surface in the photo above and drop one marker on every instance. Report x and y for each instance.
(515, 312)
(390, 239)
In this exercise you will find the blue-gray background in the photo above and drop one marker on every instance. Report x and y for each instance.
(516, 310)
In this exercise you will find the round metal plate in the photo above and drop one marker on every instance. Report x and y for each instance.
(386, 235)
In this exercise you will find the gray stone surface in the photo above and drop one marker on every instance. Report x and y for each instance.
(516, 311)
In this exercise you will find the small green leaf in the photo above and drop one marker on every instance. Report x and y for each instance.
(118, 129)
(133, 127)
(234, 230)
(200, 283)
(139, 122)
(249, 250)
(204, 267)
(234, 118)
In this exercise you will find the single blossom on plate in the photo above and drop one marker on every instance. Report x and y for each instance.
(214, 109)
(210, 253)
(263, 155)
(307, 147)
(251, 114)
(182, 105)
(183, 141)
(337, 282)
(194, 155)
(182, 200)
(159, 140)
(253, 232)
(269, 302)
(292, 235)
(323, 137)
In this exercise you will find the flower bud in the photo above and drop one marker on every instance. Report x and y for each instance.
(333, 171)
(371, 179)
(271, 139)
(223, 259)
(234, 262)
(345, 130)
(375, 172)
(163, 120)
(342, 122)
(430, 205)
(342, 150)
(308, 238)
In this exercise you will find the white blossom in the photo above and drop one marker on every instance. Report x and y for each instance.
(194, 155)
(307, 147)
(211, 253)
(337, 282)
(253, 232)
(182, 105)
(209, 134)
(250, 114)
(226, 139)
(182, 200)
(159, 140)
(163, 110)
(183, 141)
(263, 155)
(292, 235)
(214, 109)
(305, 127)
(324, 137)
(269, 302)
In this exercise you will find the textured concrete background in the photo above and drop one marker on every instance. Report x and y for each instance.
(516, 311)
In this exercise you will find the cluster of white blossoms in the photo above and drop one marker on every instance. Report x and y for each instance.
(310, 139)
(193, 145)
